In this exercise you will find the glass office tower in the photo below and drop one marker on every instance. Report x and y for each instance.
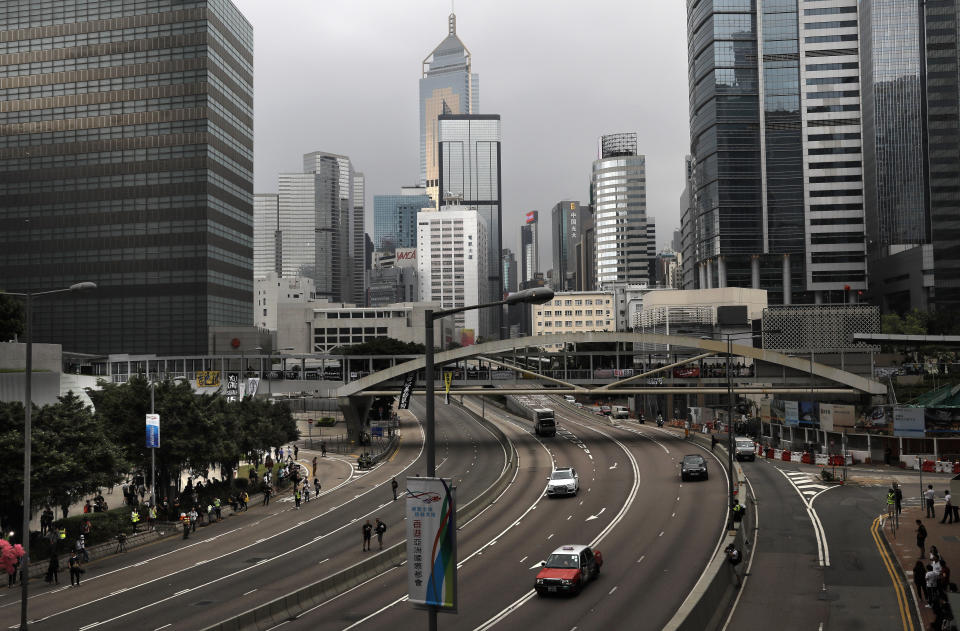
(448, 87)
(395, 218)
(126, 146)
(469, 156)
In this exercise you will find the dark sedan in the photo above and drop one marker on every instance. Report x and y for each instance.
(694, 466)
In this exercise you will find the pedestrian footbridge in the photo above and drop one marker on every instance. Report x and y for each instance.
(626, 363)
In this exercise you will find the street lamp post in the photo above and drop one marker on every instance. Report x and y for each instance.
(27, 443)
(536, 295)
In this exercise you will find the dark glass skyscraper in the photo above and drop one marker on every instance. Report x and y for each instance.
(126, 151)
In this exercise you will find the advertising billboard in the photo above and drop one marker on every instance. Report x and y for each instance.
(208, 378)
(431, 543)
(909, 422)
(837, 418)
(942, 422)
(808, 413)
(791, 413)
(406, 257)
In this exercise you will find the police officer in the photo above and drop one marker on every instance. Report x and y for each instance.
(738, 511)
(134, 519)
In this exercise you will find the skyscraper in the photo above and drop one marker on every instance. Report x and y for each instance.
(469, 159)
(447, 87)
(267, 243)
(126, 146)
(776, 194)
(319, 227)
(619, 198)
(565, 233)
(395, 218)
(509, 261)
(529, 248)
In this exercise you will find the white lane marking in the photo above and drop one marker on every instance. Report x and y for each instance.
(250, 592)
(661, 534)
(89, 626)
(592, 517)
(610, 593)
(169, 624)
(523, 559)
(550, 537)
(640, 560)
(569, 517)
(823, 549)
(496, 618)
(673, 515)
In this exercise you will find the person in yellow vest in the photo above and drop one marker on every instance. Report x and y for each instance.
(152, 516)
(134, 519)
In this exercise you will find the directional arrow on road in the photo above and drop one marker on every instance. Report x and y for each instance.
(597, 515)
(614, 465)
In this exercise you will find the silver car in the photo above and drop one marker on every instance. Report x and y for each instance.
(563, 481)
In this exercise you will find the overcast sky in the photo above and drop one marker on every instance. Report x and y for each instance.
(343, 77)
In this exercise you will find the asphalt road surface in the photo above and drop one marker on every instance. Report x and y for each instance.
(251, 558)
(656, 534)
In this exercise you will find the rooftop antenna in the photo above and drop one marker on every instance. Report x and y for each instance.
(452, 20)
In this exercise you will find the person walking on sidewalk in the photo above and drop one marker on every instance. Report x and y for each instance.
(367, 530)
(323, 449)
(932, 577)
(898, 498)
(53, 569)
(75, 569)
(296, 496)
(891, 501)
(920, 579)
(948, 508)
(394, 485)
(928, 497)
(921, 538)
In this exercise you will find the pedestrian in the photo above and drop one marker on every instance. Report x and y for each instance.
(296, 452)
(738, 511)
(185, 522)
(216, 508)
(134, 519)
(246, 501)
(209, 514)
(932, 577)
(53, 570)
(75, 570)
(944, 576)
(898, 499)
(267, 489)
(314, 465)
(928, 496)
(323, 449)
(891, 501)
(919, 579)
(394, 486)
(367, 532)
(306, 492)
(152, 516)
(194, 517)
(921, 538)
(316, 487)
(81, 548)
(948, 508)
(713, 441)
(380, 529)
(296, 497)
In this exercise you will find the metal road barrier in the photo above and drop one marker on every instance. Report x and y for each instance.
(295, 603)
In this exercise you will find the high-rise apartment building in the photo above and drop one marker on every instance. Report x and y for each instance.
(619, 199)
(564, 235)
(319, 227)
(776, 192)
(469, 158)
(529, 248)
(452, 265)
(448, 86)
(126, 146)
(395, 217)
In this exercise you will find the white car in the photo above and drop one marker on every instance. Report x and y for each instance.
(569, 398)
(563, 481)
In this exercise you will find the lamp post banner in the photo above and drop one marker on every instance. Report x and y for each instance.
(153, 431)
(252, 384)
(431, 544)
(407, 390)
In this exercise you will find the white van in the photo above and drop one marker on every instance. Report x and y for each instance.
(620, 411)
(569, 398)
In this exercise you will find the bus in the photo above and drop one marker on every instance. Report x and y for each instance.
(544, 423)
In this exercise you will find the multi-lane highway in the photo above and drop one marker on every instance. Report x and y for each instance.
(254, 557)
(655, 532)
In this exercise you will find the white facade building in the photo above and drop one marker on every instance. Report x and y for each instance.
(272, 291)
(452, 266)
(574, 312)
(321, 326)
(266, 217)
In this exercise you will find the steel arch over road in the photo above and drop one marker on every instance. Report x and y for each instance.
(847, 381)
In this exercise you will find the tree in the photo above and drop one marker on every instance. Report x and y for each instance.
(381, 346)
(911, 323)
(12, 318)
(72, 456)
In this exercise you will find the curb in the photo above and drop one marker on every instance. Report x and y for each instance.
(295, 603)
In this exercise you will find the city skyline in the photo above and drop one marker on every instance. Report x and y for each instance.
(385, 140)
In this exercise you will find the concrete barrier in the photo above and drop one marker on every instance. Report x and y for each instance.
(293, 604)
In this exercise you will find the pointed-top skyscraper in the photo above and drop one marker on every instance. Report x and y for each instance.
(447, 87)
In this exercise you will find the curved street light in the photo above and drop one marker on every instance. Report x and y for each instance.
(27, 430)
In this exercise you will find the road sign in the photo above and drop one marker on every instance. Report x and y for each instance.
(431, 544)
(153, 431)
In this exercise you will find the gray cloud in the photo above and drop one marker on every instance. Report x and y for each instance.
(342, 77)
